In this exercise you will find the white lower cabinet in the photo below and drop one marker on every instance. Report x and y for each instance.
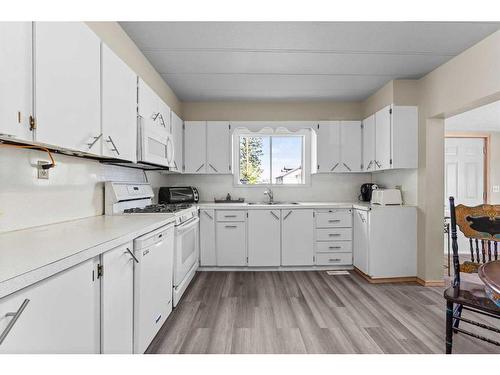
(207, 238)
(57, 315)
(360, 240)
(297, 237)
(231, 244)
(117, 300)
(333, 237)
(264, 239)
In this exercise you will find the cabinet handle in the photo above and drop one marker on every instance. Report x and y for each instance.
(230, 215)
(361, 217)
(175, 165)
(110, 140)
(211, 166)
(334, 247)
(230, 226)
(288, 214)
(91, 144)
(334, 234)
(15, 316)
(132, 255)
(275, 216)
(334, 221)
(334, 260)
(201, 166)
(369, 164)
(345, 165)
(333, 168)
(378, 164)
(206, 213)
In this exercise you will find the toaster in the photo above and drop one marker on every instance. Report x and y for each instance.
(386, 197)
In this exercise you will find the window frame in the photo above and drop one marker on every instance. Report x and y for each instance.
(269, 132)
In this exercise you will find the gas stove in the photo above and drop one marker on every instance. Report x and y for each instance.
(158, 208)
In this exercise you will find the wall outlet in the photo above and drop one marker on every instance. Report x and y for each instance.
(496, 188)
(43, 174)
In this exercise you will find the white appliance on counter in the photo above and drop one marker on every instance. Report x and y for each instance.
(386, 197)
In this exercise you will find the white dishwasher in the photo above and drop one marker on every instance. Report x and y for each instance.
(152, 284)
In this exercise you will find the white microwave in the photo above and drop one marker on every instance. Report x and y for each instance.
(155, 144)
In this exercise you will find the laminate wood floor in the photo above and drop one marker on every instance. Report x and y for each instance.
(308, 312)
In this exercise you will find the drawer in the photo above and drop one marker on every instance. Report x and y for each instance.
(330, 259)
(334, 218)
(336, 247)
(230, 215)
(334, 234)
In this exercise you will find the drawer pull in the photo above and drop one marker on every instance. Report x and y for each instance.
(132, 255)
(230, 215)
(334, 234)
(334, 260)
(334, 221)
(15, 316)
(335, 247)
(230, 226)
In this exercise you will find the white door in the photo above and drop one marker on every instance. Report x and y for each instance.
(328, 145)
(117, 300)
(361, 240)
(207, 238)
(218, 147)
(464, 176)
(297, 238)
(264, 239)
(60, 315)
(231, 244)
(119, 103)
(383, 138)
(195, 147)
(67, 87)
(369, 143)
(16, 79)
(177, 141)
(350, 146)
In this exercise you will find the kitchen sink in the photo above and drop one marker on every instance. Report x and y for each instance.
(271, 203)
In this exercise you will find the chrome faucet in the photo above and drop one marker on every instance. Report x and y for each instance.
(269, 193)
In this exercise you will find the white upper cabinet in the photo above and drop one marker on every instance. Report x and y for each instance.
(297, 238)
(351, 146)
(151, 108)
(16, 79)
(369, 144)
(119, 116)
(264, 242)
(195, 147)
(328, 146)
(67, 86)
(177, 136)
(383, 138)
(218, 147)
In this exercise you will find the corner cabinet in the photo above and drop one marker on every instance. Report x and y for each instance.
(67, 86)
(57, 315)
(16, 80)
(207, 147)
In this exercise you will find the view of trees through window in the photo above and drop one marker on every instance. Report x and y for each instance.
(271, 160)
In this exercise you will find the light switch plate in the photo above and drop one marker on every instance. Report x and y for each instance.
(43, 174)
(496, 188)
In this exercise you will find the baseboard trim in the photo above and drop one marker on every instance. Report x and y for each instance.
(385, 280)
(430, 283)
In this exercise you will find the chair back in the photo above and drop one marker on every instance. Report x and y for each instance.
(481, 225)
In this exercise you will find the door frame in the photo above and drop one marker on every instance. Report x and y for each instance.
(486, 165)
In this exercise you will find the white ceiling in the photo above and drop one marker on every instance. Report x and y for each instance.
(485, 118)
(297, 60)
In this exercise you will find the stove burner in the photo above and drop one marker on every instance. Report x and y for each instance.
(158, 208)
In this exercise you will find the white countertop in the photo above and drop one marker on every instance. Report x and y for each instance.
(30, 255)
(240, 206)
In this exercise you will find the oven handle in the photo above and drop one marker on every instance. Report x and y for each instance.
(188, 224)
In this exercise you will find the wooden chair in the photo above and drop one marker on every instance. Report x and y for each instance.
(481, 225)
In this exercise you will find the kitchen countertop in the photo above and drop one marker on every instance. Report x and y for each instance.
(339, 205)
(30, 255)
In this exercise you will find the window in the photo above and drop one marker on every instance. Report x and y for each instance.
(271, 159)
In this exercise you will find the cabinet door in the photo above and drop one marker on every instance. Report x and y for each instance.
(361, 240)
(218, 147)
(61, 314)
(264, 242)
(117, 301)
(383, 138)
(369, 143)
(328, 146)
(119, 103)
(297, 238)
(231, 244)
(178, 141)
(147, 101)
(207, 238)
(15, 80)
(195, 147)
(68, 85)
(350, 140)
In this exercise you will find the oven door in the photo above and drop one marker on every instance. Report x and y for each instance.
(186, 249)
(155, 144)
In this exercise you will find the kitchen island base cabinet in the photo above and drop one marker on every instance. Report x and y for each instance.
(264, 240)
(297, 238)
(60, 315)
(231, 244)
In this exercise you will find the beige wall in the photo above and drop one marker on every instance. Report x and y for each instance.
(271, 110)
(117, 39)
(384, 96)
